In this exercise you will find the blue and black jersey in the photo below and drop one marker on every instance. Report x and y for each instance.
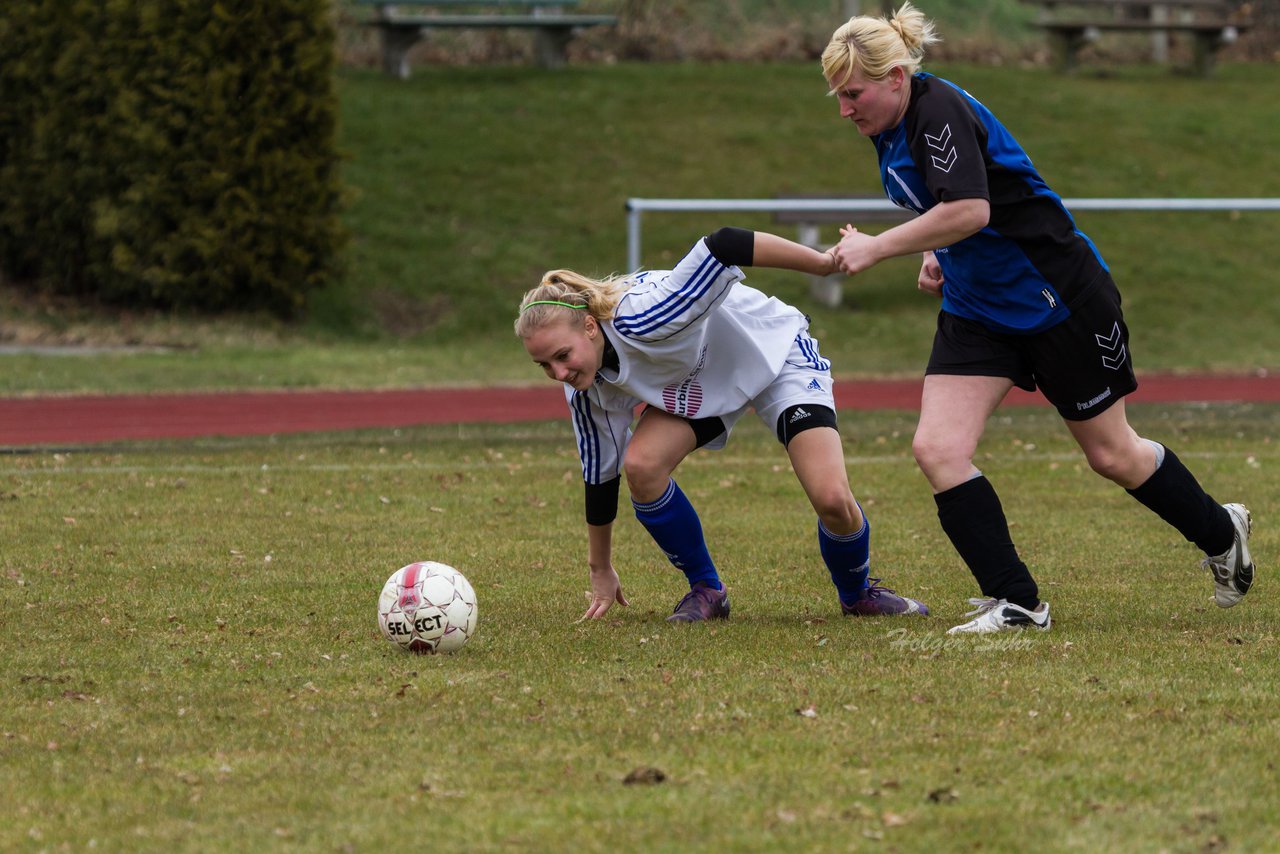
(1024, 271)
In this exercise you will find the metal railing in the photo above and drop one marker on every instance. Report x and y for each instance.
(637, 206)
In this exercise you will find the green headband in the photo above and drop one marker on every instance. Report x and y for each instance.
(551, 302)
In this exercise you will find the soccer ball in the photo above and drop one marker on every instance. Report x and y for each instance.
(427, 607)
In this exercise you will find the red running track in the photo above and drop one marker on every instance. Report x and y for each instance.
(60, 420)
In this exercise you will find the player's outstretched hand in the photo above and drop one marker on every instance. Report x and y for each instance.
(606, 589)
(845, 231)
(856, 251)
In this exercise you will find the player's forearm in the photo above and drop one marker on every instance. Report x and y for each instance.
(941, 225)
(781, 253)
(600, 547)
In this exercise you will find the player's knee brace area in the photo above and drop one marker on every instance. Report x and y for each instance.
(794, 420)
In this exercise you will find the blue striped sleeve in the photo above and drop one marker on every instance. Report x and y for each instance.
(602, 436)
(661, 306)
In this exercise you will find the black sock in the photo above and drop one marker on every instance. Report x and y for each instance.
(1174, 494)
(973, 519)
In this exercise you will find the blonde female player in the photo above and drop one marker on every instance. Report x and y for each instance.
(1026, 300)
(697, 348)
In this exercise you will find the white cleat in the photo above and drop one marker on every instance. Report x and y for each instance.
(1001, 615)
(1233, 569)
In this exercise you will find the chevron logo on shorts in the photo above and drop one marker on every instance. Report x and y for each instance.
(1113, 349)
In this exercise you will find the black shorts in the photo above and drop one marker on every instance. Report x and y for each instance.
(704, 429)
(1082, 366)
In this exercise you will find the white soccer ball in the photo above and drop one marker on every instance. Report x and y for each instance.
(427, 607)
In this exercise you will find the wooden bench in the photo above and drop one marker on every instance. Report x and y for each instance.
(552, 26)
(1072, 24)
(829, 290)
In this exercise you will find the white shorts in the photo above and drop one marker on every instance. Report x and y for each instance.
(805, 379)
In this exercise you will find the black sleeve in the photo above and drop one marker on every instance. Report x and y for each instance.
(602, 501)
(733, 247)
(948, 143)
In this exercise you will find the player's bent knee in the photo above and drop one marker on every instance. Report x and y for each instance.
(931, 454)
(1110, 464)
(838, 511)
(944, 463)
(646, 473)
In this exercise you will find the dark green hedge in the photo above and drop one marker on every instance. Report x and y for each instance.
(173, 153)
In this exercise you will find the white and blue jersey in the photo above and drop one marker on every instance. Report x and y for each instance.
(692, 341)
(1024, 271)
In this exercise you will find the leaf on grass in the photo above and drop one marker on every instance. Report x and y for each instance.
(1214, 844)
(892, 819)
(807, 712)
(644, 777)
(945, 795)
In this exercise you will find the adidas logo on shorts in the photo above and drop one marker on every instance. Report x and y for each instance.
(799, 415)
(815, 385)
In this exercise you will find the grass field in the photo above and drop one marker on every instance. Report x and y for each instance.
(191, 660)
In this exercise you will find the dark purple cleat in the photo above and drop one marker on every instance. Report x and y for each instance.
(703, 602)
(877, 601)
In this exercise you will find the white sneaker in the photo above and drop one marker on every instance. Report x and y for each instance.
(1001, 615)
(1233, 569)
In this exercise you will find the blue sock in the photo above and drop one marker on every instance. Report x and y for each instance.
(674, 526)
(848, 559)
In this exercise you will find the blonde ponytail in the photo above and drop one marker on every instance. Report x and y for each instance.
(874, 46)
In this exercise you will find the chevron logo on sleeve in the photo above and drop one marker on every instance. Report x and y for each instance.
(942, 143)
(1113, 349)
